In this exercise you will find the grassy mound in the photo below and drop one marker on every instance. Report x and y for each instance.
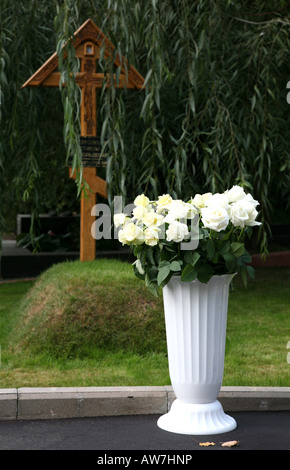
(75, 308)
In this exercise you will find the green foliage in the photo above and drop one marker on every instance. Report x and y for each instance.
(33, 173)
(65, 24)
(213, 113)
(214, 256)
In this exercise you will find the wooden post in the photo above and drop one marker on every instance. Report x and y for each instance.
(87, 242)
(88, 129)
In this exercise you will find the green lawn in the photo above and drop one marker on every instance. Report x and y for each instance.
(95, 324)
(259, 330)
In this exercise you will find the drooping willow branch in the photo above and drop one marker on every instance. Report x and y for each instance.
(214, 111)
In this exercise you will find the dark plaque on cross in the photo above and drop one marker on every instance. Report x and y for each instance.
(92, 155)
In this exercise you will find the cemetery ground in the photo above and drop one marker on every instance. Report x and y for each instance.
(95, 324)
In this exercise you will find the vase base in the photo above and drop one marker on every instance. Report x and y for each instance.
(196, 419)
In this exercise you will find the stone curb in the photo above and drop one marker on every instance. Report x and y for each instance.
(81, 402)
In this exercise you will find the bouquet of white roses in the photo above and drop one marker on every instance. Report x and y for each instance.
(196, 239)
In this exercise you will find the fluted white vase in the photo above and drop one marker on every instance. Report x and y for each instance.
(196, 319)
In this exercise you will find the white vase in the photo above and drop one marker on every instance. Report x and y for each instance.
(195, 319)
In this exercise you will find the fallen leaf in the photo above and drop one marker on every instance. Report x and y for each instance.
(206, 444)
(230, 444)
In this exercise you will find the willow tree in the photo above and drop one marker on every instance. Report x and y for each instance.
(214, 111)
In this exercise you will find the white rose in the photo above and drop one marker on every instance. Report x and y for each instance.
(151, 236)
(163, 202)
(132, 234)
(151, 218)
(121, 237)
(215, 218)
(119, 219)
(141, 200)
(176, 231)
(250, 199)
(217, 201)
(243, 213)
(235, 193)
(177, 210)
(199, 200)
(139, 212)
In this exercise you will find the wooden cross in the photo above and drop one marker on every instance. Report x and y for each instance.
(88, 42)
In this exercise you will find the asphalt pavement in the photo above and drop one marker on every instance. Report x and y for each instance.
(124, 435)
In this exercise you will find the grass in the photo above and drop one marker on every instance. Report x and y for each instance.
(95, 324)
(259, 330)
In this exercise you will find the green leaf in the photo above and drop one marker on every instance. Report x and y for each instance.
(191, 257)
(157, 257)
(175, 266)
(152, 287)
(196, 257)
(244, 275)
(152, 273)
(246, 257)
(165, 255)
(210, 249)
(162, 274)
(142, 257)
(188, 274)
(230, 261)
(225, 247)
(150, 255)
(137, 250)
(227, 235)
(188, 257)
(163, 264)
(143, 110)
(251, 271)
(215, 259)
(171, 248)
(237, 249)
(204, 273)
(166, 280)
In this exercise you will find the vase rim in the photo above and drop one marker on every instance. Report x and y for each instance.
(215, 276)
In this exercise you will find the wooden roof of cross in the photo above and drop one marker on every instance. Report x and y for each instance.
(47, 75)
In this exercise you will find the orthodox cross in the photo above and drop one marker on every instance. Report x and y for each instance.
(88, 41)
